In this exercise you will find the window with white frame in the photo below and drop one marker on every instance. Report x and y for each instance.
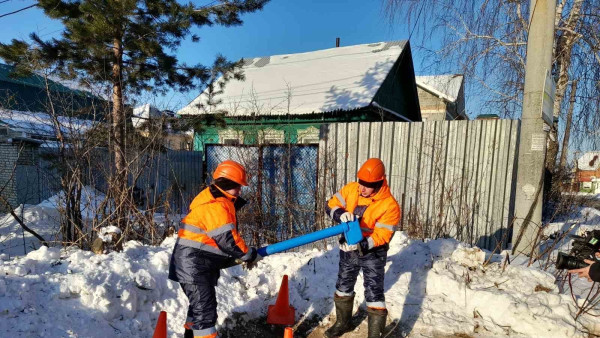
(231, 136)
(309, 135)
(272, 136)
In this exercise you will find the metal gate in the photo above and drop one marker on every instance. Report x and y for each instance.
(281, 192)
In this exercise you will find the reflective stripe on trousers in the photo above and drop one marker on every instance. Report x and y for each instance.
(205, 333)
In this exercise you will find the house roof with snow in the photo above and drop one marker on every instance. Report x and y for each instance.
(38, 125)
(446, 87)
(442, 97)
(376, 75)
(144, 113)
(589, 161)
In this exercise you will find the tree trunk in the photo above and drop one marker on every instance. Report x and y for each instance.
(565, 143)
(562, 60)
(119, 179)
(73, 206)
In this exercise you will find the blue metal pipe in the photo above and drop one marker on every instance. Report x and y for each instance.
(351, 229)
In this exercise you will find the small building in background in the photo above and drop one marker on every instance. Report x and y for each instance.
(442, 97)
(588, 172)
(173, 139)
(29, 107)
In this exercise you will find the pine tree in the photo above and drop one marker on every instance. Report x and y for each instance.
(129, 45)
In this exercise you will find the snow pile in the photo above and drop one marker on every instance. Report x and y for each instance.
(437, 287)
(58, 293)
(494, 299)
(107, 234)
(469, 257)
(44, 219)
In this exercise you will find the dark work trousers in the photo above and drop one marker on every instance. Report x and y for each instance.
(373, 267)
(202, 311)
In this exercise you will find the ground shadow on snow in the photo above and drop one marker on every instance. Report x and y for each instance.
(417, 283)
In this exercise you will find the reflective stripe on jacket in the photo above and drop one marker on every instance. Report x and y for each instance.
(211, 225)
(379, 214)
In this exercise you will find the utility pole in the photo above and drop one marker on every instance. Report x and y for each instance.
(533, 132)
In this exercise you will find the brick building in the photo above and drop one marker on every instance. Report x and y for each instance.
(588, 172)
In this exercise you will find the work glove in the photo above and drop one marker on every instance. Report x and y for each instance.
(255, 258)
(347, 217)
(363, 247)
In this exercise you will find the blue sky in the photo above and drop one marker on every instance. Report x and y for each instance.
(281, 27)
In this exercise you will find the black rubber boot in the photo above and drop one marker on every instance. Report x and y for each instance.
(343, 315)
(376, 321)
(188, 334)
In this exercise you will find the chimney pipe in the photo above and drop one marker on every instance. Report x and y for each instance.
(337, 42)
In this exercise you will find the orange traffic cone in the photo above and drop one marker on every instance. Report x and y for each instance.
(288, 333)
(161, 326)
(281, 313)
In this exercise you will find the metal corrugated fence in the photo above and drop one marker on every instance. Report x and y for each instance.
(452, 178)
(170, 178)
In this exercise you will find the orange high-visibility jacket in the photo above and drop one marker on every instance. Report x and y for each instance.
(211, 225)
(379, 214)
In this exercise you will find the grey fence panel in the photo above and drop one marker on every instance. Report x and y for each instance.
(185, 176)
(450, 197)
(439, 176)
(411, 189)
(352, 150)
(456, 176)
(170, 178)
(400, 163)
(497, 195)
(28, 185)
(387, 150)
(474, 181)
(48, 175)
(509, 188)
(425, 169)
(366, 141)
(341, 155)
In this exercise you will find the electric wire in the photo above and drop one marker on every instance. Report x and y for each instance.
(17, 11)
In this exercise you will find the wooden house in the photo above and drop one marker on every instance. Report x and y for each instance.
(286, 98)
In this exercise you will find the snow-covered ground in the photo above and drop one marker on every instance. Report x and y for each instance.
(44, 219)
(432, 288)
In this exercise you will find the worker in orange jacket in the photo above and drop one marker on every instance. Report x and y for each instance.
(371, 201)
(207, 242)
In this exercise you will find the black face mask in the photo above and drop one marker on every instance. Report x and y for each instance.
(238, 202)
(226, 184)
(375, 185)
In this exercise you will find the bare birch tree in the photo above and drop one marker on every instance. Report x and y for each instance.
(486, 40)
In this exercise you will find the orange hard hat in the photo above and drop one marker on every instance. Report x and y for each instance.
(231, 170)
(371, 171)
